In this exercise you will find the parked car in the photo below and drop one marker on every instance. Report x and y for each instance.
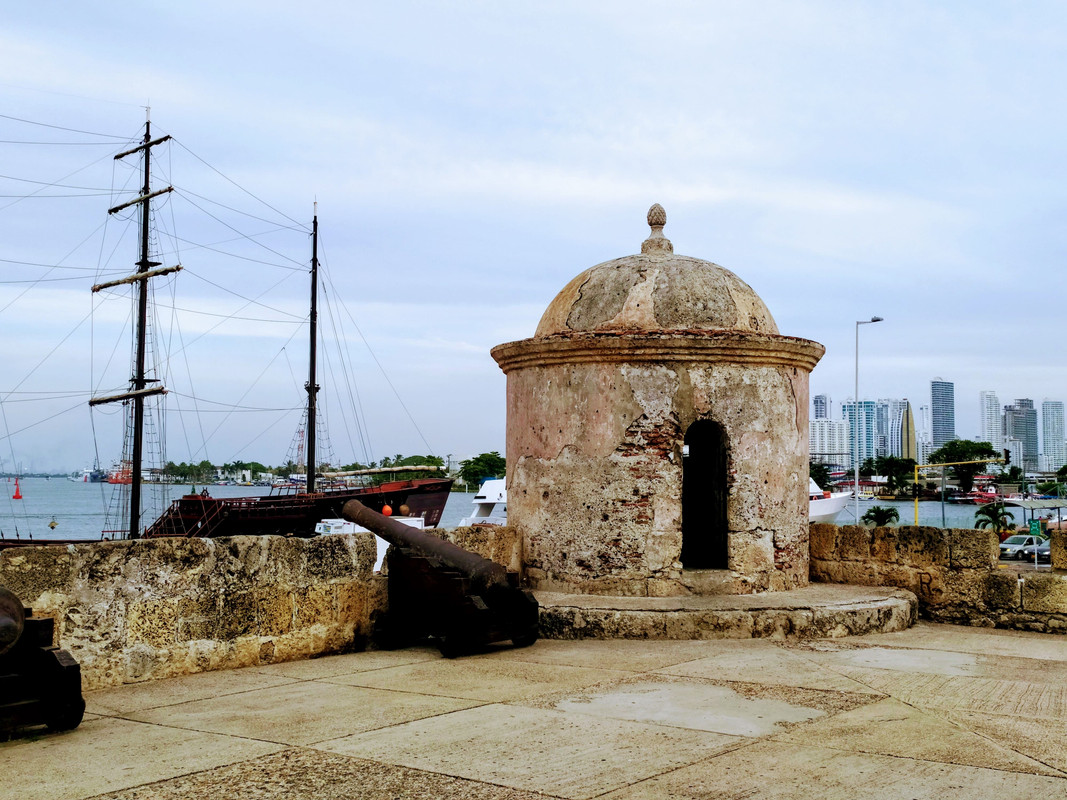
(1013, 546)
(1043, 550)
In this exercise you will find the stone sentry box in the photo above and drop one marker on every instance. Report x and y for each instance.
(657, 433)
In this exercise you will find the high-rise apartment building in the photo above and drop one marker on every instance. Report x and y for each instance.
(1052, 440)
(828, 442)
(942, 411)
(821, 406)
(860, 418)
(887, 427)
(902, 441)
(1020, 423)
(990, 426)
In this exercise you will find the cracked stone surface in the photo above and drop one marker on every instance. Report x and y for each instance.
(934, 711)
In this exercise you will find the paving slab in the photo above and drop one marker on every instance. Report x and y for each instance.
(560, 754)
(771, 770)
(893, 728)
(1040, 739)
(302, 774)
(202, 686)
(691, 704)
(347, 663)
(106, 754)
(987, 641)
(934, 661)
(950, 693)
(486, 679)
(630, 655)
(764, 662)
(302, 713)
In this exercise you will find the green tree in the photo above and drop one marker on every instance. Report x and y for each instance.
(487, 465)
(995, 516)
(867, 468)
(899, 472)
(820, 473)
(880, 515)
(964, 450)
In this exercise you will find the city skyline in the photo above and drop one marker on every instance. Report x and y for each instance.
(1013, 427)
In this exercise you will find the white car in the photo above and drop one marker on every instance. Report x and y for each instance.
(1013, 546)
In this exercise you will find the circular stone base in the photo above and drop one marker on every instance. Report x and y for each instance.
(816, 611)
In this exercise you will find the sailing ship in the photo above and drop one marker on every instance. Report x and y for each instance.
(297, 511)
(293, 512)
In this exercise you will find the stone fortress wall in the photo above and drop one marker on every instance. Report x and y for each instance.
(954, 573)
(140, 610)
(149, 609)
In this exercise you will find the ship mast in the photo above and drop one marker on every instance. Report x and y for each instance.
(311, 386)
(139, 388)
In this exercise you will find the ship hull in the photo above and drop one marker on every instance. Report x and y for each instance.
(296, 514)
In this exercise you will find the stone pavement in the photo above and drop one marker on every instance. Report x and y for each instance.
(932, 712)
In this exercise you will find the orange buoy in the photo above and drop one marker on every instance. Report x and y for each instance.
(18, 492)
(387, 511)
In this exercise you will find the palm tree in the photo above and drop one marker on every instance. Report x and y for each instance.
(879, 516)
(994, 516)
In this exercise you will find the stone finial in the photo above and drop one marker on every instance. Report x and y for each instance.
(657, 242)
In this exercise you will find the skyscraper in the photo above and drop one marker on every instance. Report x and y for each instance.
(1020, 423)
(860, 414)
(1052, 439)
(821, 403)
(902, 442)
(990, 426)
(943, 412)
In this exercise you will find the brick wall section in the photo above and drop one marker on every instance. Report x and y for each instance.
(139, 610)
(954, 573)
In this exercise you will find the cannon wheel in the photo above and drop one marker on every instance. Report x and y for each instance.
(12, 619)
(64, 705)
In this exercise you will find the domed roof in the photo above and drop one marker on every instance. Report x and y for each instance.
(656, 291)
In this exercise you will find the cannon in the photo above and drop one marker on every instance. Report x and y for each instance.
(438, 590)
(39, 684)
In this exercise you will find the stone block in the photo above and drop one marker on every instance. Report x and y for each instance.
(823, 540)
(1044, 593)
(922, 547)
(153, 622)
(1000, 591)
(31, 571)
(235, 614)
(853, 543)
(973, 549)
(884, 544)
(275, 610)
(1059, 548)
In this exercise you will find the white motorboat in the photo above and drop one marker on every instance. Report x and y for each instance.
(825, 506)
(490, 505)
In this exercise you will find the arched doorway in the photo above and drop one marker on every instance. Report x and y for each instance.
(704, 496)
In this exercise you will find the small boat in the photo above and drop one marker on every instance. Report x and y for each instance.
(88, 475)
(490, 505)
(121, 473)
(825, 506)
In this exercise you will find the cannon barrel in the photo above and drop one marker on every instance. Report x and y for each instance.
(12, 619)
(444, 592)
(481, 571)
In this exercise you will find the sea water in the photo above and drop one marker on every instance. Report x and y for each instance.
(79, 510)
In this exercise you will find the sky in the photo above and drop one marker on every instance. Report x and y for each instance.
(468, 159)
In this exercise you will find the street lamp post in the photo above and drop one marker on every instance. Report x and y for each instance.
(856, 416)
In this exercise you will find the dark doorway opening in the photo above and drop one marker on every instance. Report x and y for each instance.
(704, 496)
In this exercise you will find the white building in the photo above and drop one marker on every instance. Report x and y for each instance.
(1052, 442)
(828, 441)
(990, 424)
